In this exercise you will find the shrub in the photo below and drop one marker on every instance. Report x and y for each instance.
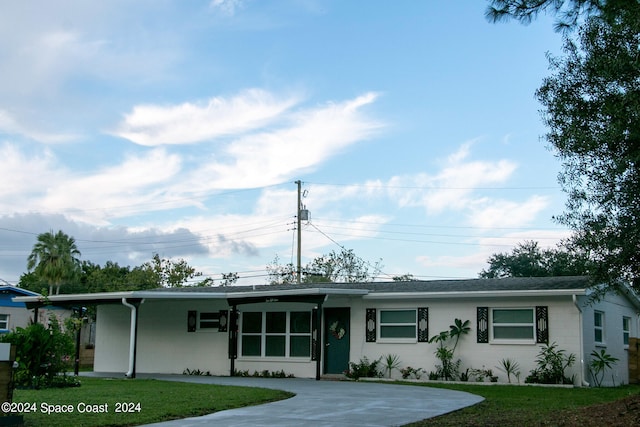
(42, 353)
(449, 370)
(552, 364)
(600, 363)
(510, 367)
(391, 362)
(409, 371)
(363, 369)
(188, 371)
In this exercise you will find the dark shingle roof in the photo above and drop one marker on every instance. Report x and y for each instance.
(467, 285)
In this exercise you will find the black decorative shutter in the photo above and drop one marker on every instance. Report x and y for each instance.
(314, 334)
(542, 325)
(423, 324)
(223, 319)
(192, 320)
(483, 325)
(370, 325)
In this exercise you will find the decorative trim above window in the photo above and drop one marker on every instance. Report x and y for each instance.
(423, 324)
(482, 334)
(370, 325)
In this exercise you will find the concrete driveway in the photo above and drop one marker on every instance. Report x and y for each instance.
(327, 403)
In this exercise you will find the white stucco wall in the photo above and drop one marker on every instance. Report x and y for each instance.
(165, 346)
(563, 329)
(112, 339)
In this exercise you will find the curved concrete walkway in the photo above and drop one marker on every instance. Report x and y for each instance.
(327, 403)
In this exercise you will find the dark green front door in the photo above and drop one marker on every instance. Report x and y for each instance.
(336, 340)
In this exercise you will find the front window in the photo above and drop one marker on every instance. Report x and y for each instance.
(513, 324)
(4, 322)
(276, 334)
(398, 324)
(598, 327)
(209, 321)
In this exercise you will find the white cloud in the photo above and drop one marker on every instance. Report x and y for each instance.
(190, 123)
(25, 175)
(487, 246)
(504, 213)
(454, 186)
(272, 156)
(227, 7)
(10, 125)
(117, 191)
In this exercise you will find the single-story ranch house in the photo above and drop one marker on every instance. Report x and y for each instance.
(311, 330)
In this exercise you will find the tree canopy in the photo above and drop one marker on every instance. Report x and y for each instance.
(54, 259)
(592, 108)
(54, 262)
(344, 266)
(529, 260)
(567, 12)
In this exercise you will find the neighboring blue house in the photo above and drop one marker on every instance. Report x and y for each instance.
(16, 314)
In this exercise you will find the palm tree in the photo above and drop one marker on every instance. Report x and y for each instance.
(54, 259)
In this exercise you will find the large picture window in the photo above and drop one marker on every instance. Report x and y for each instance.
(398, 324)
(513, 324)
(276, 334)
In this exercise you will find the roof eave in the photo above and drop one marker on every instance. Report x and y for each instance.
(475, 294)
(307, 291)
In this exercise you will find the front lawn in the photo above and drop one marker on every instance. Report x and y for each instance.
(506, 405)
(139, 401)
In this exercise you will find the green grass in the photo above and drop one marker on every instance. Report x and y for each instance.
(158, 401)
(520, 405)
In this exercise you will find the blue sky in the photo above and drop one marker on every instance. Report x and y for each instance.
(179, 128)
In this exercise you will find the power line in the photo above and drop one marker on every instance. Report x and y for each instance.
(344, 249)
(408, 187)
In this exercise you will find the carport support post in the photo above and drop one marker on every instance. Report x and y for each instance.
(318, 340)
(233, 339)
(76, 366)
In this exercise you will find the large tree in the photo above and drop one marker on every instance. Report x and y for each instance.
(169, 273)
(54, 259)
(529, 260)
(344, 266)
(567, 12)
(592, 108)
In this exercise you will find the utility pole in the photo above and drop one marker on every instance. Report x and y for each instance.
(298, 209)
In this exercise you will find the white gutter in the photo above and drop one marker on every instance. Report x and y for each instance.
(306, 291)
(117, 296)
(575, 302)
(132, 337)
(473, 294)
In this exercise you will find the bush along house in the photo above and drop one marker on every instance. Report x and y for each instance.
(505, 328)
